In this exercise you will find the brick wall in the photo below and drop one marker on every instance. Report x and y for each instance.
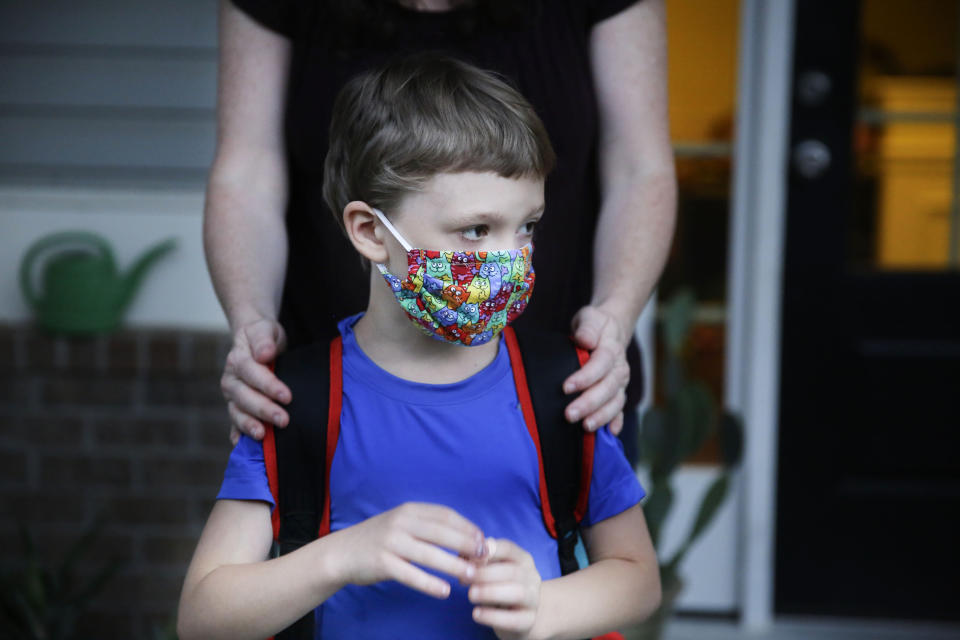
(132, 425)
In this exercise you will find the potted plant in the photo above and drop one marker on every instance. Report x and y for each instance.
(671, 432)
(42, 602)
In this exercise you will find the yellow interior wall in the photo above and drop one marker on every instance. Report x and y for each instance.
(702, 55)
(921, 35)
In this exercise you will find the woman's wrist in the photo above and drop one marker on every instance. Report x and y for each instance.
(624, 318)
(243, 315)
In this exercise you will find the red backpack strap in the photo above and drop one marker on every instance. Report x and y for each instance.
(335, 403)
(298, 457)
(586, 465)
(270, 459)
(529, 416)
(541, 361)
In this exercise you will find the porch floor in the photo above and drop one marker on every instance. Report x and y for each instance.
(803, 628)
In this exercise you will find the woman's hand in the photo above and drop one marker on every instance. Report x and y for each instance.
(386, 546)
(604, 378)
(248, 383)
(506, 591)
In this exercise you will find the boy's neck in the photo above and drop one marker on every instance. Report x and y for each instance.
(389, 338)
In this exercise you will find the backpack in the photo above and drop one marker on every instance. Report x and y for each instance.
(298, 457)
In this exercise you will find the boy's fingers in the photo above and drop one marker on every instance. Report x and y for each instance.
(439, 514)
(498, 572)
(499, 594)
(433, 557)
(464, 543)
(405, 573)
(500, 549)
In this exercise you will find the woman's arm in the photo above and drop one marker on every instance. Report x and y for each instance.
(244, 229)
(638, 209)
(621, 586)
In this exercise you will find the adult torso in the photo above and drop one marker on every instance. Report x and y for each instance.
(547, 59)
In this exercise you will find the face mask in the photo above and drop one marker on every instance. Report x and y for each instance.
(463, 297)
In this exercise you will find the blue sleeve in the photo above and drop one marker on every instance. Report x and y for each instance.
(246, 474)
(614, 486)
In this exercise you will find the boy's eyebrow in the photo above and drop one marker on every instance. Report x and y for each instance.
(489, 216)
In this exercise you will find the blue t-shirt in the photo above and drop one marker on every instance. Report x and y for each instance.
(464, 445)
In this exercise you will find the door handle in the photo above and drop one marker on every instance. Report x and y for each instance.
(811, 159)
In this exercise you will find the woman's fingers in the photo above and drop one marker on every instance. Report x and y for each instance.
(587, 326)
(601, 362)
(253, 403)
(616, 425)
(594, 405)
(266, 339)
(261, 378)
(245, 423)
(601, 334)
(251, 388)
(608, 412)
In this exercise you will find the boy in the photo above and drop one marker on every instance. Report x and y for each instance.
(433, 453)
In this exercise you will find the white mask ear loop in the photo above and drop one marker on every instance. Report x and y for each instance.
(392, 229)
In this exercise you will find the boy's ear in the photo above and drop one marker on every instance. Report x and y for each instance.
(366, 235)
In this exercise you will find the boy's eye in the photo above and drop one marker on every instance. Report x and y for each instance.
(529, 227)
(475, 233)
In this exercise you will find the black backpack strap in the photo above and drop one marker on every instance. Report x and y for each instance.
(566, 451)
(298, 469)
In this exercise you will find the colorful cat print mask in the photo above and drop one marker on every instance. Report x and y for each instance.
(462, 297)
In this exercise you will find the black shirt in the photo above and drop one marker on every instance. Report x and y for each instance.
(546, 57)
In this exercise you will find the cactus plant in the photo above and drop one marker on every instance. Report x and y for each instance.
(669, 434)
(37, 601)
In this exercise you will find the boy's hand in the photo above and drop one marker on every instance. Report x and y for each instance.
(604, 378)
(385, 547)
(249, 385)
(506, 591)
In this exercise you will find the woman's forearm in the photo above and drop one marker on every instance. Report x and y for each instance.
(245, 238)
(632, 243)
(257, 600)
(607, 595)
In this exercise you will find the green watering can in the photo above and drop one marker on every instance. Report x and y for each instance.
(82, 290)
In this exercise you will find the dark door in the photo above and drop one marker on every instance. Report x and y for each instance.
(868, 519)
